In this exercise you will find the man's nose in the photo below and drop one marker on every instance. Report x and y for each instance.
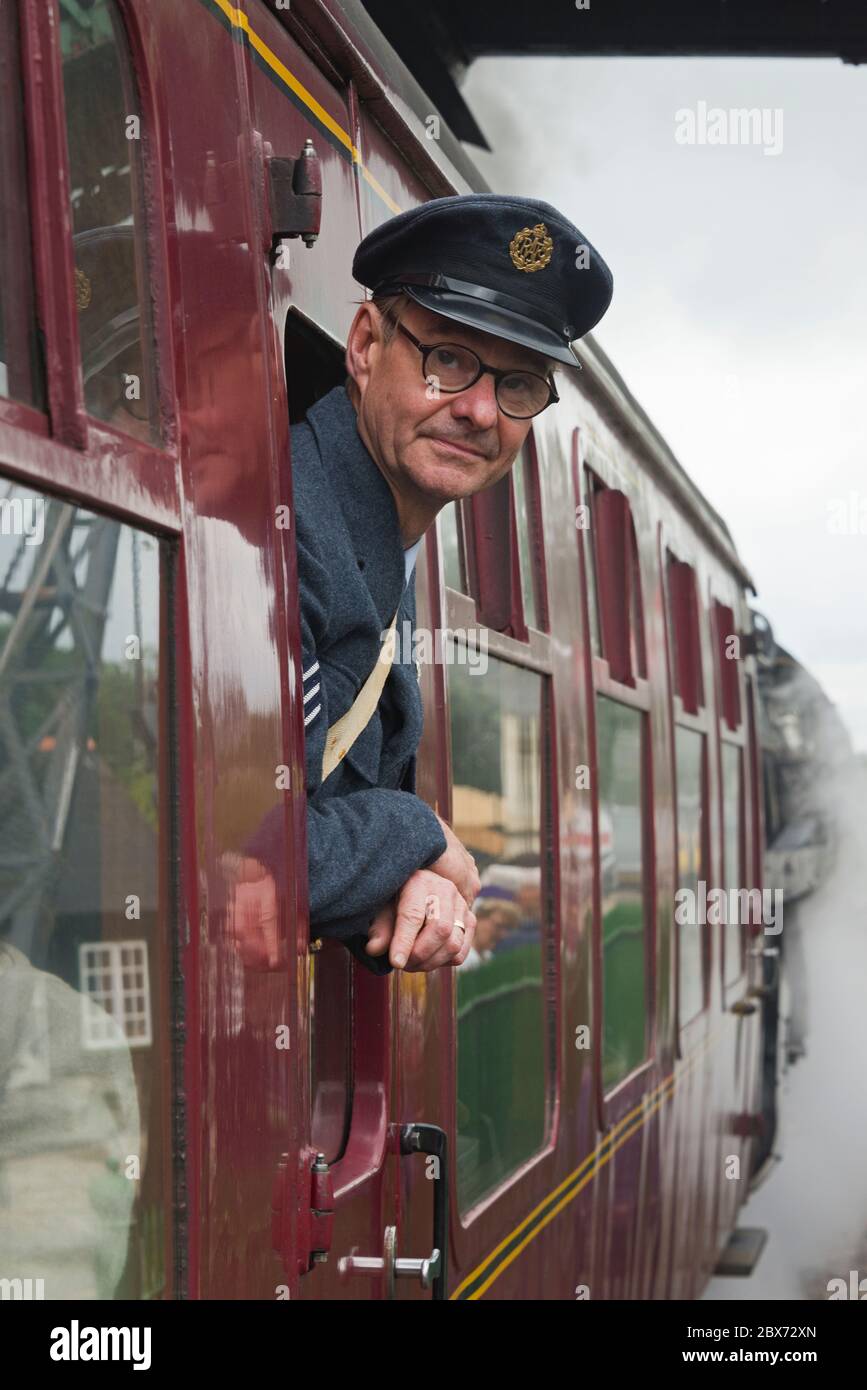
(478, 404)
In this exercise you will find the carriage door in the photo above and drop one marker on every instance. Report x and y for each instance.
(348, 1231)
(91, 1178)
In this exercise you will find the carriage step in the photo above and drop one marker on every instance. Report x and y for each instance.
(742, 1253)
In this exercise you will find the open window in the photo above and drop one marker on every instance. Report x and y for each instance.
(314, 364)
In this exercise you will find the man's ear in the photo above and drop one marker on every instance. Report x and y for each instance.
(364, 343)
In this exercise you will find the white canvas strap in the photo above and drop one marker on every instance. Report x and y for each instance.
(343, 733)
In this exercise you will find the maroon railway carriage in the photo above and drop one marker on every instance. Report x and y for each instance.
(164, 1093)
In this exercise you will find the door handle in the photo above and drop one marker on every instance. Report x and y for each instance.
(432, 1272)
(425, 1271)
(389, 1266)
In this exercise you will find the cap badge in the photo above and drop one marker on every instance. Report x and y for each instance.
(531, 248)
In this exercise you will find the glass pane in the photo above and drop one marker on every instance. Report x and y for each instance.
(20, 360)
(103, 120)
(619, 732)
(502, 1071)
(525, 551)
(731, 772)
(83, 1142)
(689, 748)
(451, 548)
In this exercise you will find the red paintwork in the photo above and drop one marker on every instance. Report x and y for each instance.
(650, 1221)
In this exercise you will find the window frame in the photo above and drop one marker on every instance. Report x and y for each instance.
(471, 1230)
(699, 722)
(587, 467)
(88, 460)
(166, 984)
(733, 735)
(738, 979)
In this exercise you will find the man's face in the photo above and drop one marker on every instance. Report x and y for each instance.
(454, 444)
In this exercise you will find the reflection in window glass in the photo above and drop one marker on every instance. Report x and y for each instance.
(590, 567)
(103, 122)
(525, 552)
(20, 361)
(82, 1102)
(619, 731)
(330, 1010)
(731, 774)
(502, 1074)
(451, 548)
(689, 755)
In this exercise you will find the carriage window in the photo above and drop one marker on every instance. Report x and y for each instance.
(614, 582)
(502, 1071)
(20, 359)
(689, 756)
(732, 869)
(525, 525)
(83, 1103)
(728, 663)
(620, 733)
(684, 630)
(104, 136)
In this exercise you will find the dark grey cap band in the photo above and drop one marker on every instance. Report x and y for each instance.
(503, 301)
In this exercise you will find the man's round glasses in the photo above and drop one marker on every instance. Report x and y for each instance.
(451, 368)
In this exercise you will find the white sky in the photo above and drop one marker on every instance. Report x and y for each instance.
(739, 317)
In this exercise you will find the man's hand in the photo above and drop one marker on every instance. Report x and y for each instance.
(421, 927)
(458, 865)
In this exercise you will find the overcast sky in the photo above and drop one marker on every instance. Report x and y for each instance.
(740, 300)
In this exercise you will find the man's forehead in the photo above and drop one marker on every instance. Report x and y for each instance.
(450, 330)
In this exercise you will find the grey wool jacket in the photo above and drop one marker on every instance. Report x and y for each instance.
(367, 831)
